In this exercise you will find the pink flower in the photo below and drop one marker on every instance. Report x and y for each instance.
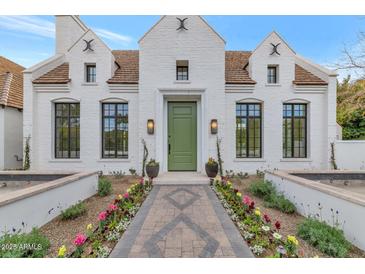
(112, 207)
(247, 200)
(102, 216)
(126, 195)
(80, 239)
(141, 181)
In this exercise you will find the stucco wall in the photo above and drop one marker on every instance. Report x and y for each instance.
(2, 135)
(13, 138)
(308, 202)
(38, 209)
(350, 155)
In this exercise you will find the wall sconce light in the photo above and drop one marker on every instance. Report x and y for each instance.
(150, 126)
(214, 126)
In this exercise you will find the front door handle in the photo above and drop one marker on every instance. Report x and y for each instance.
(169, 149)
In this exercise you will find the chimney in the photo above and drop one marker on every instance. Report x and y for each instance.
(69, 28)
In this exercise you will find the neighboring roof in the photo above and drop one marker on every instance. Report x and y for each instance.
(11, 84)
(58, 75)
(236, 63)
(304, 77)
(128, 67)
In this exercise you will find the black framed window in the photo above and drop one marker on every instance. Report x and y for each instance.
(272, 74)
(91, 73)
(67, 135)
(295, 130)
(115, 130)
(182, 73)
(248, 130)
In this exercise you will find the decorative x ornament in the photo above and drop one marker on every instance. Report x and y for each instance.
(182, 23)
(88, 45)
(275, 49)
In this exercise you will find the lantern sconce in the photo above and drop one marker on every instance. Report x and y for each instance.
(150, 126)
(214, 126)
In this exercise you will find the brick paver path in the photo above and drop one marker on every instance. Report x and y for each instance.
(181, 221)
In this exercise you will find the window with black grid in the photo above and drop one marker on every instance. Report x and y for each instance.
(272, 75)
(67, 127)
(115, 130)
(295, 130)
(91, 73)
(248, 130)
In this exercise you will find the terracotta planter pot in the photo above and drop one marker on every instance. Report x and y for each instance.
(211, 170)
(152, 171)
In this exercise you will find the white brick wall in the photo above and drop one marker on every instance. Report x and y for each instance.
(159, 50)
(10, 138)
(273, 97)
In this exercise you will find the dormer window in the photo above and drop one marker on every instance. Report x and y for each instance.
(272, 74)
(90, 73)
(182, 70)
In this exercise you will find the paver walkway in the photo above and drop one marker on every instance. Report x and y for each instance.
(181, 221)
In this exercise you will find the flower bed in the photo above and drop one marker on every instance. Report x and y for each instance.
(260, 232)
(112, 222)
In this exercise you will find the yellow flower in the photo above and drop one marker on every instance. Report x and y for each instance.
(239, 194)
(229, 184)
(257, 212)
(120, 196)
(89, 227)
(293, 240)
(129, 190)
(62, 251)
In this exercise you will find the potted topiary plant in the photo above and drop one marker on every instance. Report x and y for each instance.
(211, 167)
(152, 168)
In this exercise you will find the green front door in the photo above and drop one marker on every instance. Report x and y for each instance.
(182, 136)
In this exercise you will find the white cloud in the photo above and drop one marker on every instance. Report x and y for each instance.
(44, 28)
(112, 36)
(28, 24)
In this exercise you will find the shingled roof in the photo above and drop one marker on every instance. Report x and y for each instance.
(11, 84)
(128, 67)
(236, 62)
(128, 70)
(58, 75)
(304, 77)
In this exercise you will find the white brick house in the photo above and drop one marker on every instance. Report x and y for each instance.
(88, 108)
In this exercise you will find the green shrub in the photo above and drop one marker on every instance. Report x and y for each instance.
(261, 189)
(279, 201)
(327, 239)
(104, 187)
(74, 211)
(24, 245)
(266, 191)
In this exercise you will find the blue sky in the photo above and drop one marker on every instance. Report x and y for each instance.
(28, 40)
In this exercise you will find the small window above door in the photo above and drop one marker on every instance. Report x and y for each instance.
(182, 70)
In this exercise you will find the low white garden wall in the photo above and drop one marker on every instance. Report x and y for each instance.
(350, 155)
(328, 203)
(37, 205)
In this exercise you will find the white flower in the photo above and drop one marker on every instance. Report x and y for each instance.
(277, 236)
(265, 228)
(247, 235)
(257, 249)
